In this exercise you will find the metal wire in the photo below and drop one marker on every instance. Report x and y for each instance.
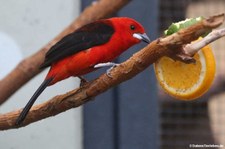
(202, 121)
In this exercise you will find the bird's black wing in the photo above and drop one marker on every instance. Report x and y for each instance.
(90, 35)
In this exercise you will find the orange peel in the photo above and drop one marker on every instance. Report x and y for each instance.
(187, 81)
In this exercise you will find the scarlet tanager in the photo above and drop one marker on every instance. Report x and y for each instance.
(90, 47)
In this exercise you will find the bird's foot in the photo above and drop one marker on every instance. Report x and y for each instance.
(113, 65)
(83, 81)
(108, 71)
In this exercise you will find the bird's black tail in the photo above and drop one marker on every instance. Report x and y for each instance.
(26, 109)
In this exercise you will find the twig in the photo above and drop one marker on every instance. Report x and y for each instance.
(125, 71)
(29, 67)
(193, 48)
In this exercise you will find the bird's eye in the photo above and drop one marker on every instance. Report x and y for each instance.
(132, 27)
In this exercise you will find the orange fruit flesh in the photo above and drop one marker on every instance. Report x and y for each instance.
(186, 81)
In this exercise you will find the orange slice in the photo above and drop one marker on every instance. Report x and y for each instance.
(187, 81)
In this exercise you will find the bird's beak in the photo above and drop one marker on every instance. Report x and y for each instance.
(142, 37)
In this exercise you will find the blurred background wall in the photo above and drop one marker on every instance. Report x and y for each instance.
(126, 116)
(25, 27)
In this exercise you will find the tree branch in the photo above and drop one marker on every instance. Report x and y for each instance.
(125, 71)
(193, 48)
(29, 67)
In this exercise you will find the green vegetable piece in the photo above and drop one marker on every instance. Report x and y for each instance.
(175, 27)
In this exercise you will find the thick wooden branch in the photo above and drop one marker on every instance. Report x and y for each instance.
(29, 67)
(125, 71)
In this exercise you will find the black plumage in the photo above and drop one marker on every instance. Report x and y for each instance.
(26, 109)
(90, 35)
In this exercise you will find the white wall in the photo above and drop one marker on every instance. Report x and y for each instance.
(26, 26)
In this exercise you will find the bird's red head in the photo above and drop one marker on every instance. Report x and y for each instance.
(129, 30)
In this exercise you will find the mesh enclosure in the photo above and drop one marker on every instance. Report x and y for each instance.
(200, 121)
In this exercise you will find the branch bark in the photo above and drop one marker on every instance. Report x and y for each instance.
(125, 71)
(29, 67)
(191, 49)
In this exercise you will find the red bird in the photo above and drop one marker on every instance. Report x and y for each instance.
(90, 47)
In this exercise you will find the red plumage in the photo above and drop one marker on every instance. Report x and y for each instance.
(82, 62)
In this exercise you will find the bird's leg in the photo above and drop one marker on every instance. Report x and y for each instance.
(108, 64)
(83, 81)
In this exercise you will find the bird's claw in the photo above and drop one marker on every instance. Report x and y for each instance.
(108, 72)
(83, 81)
(113, 65)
